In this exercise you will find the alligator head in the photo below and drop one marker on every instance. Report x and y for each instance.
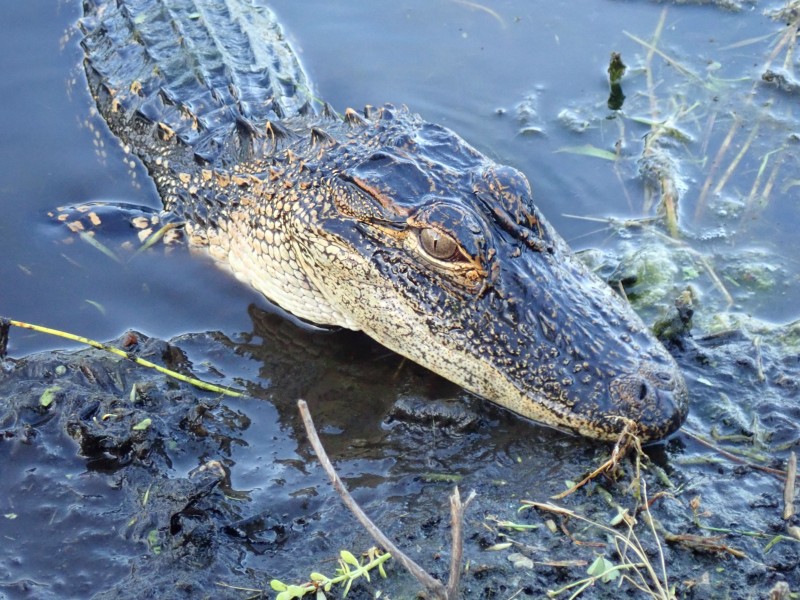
(439, 253)
(380, 222)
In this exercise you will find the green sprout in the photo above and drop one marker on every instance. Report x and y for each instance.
(350, 569)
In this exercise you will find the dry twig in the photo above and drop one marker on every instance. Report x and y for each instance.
(700, 543)
(626, 440)
(457, 508)
(788, 490)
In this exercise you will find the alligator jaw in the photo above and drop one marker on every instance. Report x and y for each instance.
(653, 399)
(591, 377)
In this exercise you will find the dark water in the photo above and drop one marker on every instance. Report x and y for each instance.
(470, 67)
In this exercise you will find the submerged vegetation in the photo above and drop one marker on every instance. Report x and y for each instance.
(714, 151)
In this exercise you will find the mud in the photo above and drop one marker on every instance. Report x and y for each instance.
(217, 490)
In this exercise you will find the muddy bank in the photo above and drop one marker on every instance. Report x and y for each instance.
(129, 484)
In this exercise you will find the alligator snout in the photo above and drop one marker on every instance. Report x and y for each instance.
(655, 398)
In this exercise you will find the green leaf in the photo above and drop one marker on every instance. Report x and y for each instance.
(292, 591)
(317, 577)
(517, 526)
(89, 239)
(589, 150)
(441, 478)
(772, 542)
(48, 396)
(152, 541)
(152, 239)
(499, 546)
(602, 568)
(596, 567)
(298, 591)
(790, 184)
(620, 516)
(520, 561)
(349, 558)
(97, 305)
(146, 497)
(143, 424)
(278, 586)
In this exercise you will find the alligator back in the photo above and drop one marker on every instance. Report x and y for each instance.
(210, 73)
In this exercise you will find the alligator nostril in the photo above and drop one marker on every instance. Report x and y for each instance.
(653, 397)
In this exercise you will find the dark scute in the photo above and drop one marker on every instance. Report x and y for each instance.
(505, 194)
(395, 177)
(511, 189)
(438, 144)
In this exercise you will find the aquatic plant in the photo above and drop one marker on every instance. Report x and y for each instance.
(350, 569)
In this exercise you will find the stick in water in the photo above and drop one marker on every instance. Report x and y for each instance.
(432, 585)
(4, 327)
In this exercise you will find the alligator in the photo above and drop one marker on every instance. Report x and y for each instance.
(372, 220)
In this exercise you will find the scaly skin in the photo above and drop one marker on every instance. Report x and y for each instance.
(375, 221)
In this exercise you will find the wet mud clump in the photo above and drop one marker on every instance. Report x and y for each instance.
(95, 503)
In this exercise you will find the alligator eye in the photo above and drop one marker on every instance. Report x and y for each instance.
(438, 245)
